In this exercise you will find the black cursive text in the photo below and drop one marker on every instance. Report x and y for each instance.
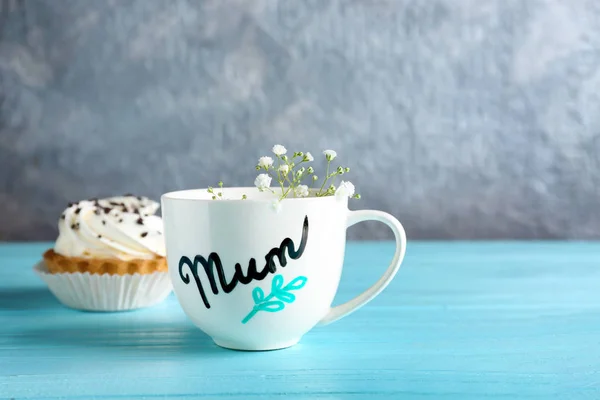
(214, 262)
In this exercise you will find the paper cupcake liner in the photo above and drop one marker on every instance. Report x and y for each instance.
(93, 292)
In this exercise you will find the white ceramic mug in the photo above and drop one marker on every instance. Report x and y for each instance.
(254, 277)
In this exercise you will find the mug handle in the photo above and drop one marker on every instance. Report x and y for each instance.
(350, 306)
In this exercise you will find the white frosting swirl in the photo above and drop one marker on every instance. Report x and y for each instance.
(122, 227)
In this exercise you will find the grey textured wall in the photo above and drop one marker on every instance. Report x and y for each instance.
(464, 118)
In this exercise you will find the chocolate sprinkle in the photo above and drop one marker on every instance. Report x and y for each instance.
(99, 236)
(144, 234)
(75, 226)
(71, 204)
(77, 210)
(114, 203)
(120, 220)
(103, 222)
(97, 211)
(140, 221)
(62, 216)
(106, 210)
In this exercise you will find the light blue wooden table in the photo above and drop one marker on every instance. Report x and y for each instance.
(461, 321)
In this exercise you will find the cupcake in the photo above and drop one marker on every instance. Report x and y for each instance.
(109, 255)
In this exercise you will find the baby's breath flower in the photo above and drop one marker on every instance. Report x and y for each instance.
(262, 182)
(346, 189)
(279, 150)
(265, 162)
(330, 154)
(301, 191)
(289, 174)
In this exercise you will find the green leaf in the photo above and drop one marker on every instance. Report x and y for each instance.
(258, 295)
(297, 283)
(285, 296)
(276, 283)
(271, 306)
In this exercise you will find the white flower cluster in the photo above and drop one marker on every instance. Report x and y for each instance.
(346, 189)
(330, 154)
(263, 182)
(265, 162)
(279, 150)
(289, 173)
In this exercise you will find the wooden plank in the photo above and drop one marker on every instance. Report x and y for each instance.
(461, 321)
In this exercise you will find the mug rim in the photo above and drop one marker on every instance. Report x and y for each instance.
(175, 196)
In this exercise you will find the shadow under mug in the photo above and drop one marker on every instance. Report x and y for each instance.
(256, 274)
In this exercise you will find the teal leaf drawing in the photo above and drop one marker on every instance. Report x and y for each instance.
(285, 296)
(258, 295)
(277, 282)
(297, 283)
(276, 300)
(272, 306)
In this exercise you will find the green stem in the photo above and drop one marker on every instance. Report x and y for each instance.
(278, 173)
(286, 178)
(300, 178)
(334, 178)
(326, 177)
(287, 191)
(300, 163)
